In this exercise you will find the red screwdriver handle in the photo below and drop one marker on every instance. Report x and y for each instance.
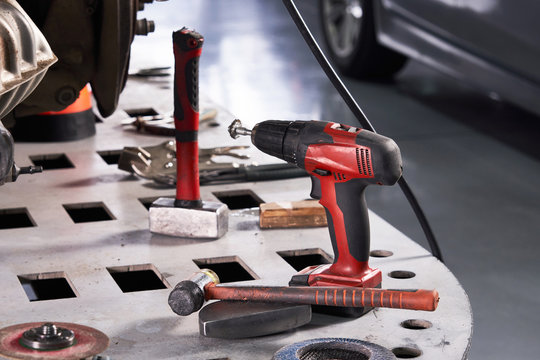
(187, 46)
(426, 300)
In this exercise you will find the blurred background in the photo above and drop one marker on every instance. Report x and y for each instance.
(471, 157)
(460, 94)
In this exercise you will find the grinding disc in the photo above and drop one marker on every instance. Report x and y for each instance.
(334, 348)
(237, 320)
(88, 342)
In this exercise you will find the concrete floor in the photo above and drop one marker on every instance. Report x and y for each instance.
(472, 161)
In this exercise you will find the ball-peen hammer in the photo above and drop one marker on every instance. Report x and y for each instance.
(189, 295)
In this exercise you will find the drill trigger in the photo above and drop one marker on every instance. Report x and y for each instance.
(316, 191)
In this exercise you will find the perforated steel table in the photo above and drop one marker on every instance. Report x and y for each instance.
(86, 266)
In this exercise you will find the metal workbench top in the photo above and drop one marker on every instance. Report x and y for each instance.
(140, 324)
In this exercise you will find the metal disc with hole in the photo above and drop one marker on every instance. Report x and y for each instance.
(333, 348)
(88, 342)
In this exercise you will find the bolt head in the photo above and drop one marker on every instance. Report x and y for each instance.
(47, 337)
(66, 95)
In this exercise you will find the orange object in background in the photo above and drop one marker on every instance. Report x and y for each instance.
(75, 122)
(83, 103)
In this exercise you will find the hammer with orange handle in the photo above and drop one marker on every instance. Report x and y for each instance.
(189, 295)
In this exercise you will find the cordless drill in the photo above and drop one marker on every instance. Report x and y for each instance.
(342, 161)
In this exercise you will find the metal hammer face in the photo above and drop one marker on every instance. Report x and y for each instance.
(210, 221)
(188, 296)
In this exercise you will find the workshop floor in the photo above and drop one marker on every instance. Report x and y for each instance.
(472, 161)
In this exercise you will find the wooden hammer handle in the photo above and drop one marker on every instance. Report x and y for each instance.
(426, 300)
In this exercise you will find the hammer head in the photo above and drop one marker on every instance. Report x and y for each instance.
(188, 296)
(210, 221)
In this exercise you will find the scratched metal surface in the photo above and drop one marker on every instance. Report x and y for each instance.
(140, 324)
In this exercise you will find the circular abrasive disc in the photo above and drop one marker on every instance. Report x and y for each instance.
(88, 342)
(334, 348)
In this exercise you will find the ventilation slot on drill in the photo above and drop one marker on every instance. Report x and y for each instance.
(368, 162)
(364, 162)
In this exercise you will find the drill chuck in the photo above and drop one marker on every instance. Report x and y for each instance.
(269, 137)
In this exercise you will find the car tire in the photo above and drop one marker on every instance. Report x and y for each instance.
(349, 32)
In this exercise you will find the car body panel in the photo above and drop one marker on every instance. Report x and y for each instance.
(492, 44)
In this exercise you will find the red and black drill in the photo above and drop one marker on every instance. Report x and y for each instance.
(342, 161)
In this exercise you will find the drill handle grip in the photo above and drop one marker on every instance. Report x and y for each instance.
(348, 224)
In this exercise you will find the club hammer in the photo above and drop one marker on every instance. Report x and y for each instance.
(189, 295)
(187, 215)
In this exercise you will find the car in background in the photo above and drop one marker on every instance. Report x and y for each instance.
(493, 45)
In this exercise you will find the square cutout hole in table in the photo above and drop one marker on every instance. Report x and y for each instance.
(15, 218)
(239, 199)
(111, 157)
(228, 268)
(52, 161)
(301, 259)
(88, 212)
(47, 286)
(141, 112)
(142, 277)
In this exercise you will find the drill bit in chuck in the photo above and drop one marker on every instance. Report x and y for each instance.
(236, 129)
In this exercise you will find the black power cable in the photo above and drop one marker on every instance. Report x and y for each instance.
(362, 118)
